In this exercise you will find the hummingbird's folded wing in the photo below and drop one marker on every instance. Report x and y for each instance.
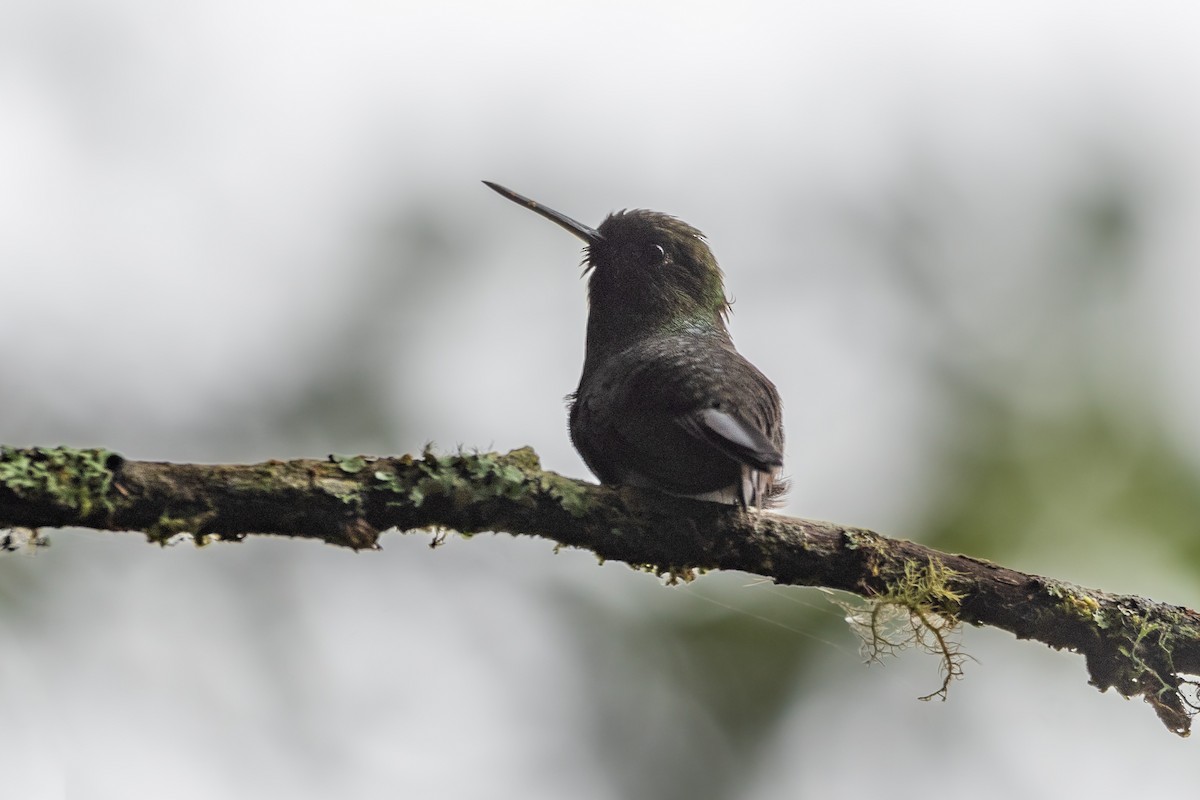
(684, 415)
(739, 440)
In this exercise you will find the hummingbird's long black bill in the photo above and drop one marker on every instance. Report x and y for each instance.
(589, 235)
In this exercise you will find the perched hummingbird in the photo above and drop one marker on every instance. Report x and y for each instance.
(665, 401)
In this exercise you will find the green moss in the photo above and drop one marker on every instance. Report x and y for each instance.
(462, 477)
(1134, 649)
(465, 478)
(495, 475)
(858, 539)
(349, 464)
(573, 497)
(924, 586)
(917, 608)
(348, 492)
(524, 458)
(1078, 603)
(68, 478)
(1149, 647)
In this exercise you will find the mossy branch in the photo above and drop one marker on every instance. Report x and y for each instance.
(1138, 647)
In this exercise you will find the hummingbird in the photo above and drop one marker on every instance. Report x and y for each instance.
(665, 401)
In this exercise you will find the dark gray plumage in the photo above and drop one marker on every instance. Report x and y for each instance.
(665, 400)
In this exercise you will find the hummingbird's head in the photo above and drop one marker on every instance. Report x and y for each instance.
(655, 264)
(646, 266)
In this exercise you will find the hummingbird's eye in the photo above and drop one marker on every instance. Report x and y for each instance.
(655, 255)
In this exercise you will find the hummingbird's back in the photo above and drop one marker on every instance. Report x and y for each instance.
(683, 413)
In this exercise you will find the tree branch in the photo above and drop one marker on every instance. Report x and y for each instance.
(1138, 647)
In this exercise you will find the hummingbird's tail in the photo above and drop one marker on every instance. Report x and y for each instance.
(762, 489)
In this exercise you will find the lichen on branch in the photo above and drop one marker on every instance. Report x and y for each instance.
(919, 610)
(1131, 644)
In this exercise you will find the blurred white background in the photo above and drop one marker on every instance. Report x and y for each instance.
(961, 238)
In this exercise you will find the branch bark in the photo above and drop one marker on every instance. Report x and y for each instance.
(1131, 644)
